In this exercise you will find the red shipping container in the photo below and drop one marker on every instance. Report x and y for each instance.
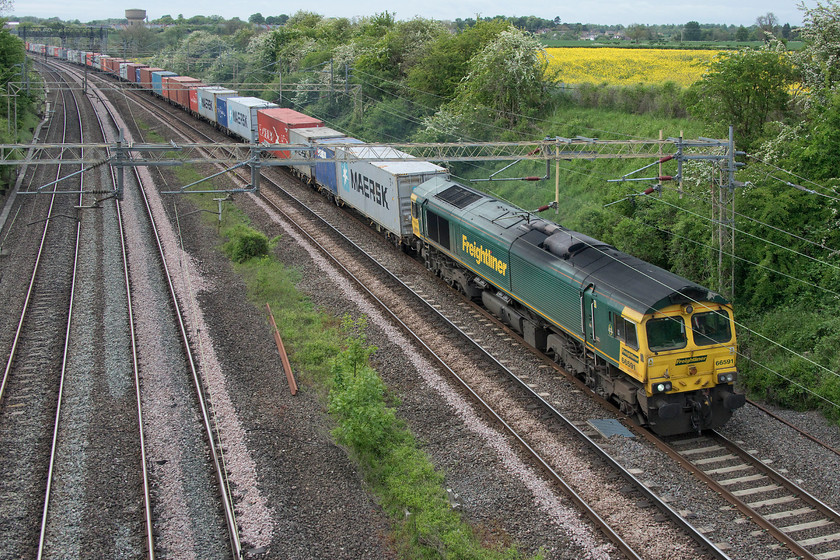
(113, 65)
(167, 87)
(179, 89)
(273, 126)
(131, 71)
(146, 76)
(193, 95)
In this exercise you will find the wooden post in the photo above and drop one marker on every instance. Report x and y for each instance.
(283, 357)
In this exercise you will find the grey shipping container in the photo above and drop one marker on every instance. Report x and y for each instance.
(207, 100)
(381, 190)
(309, 136)
(242, 115)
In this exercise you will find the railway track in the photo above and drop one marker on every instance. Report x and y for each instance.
(92, 446)
(34, 368)
(189, 386)
(387, 282)
(806, 525)
(110, 426)
(526, 382)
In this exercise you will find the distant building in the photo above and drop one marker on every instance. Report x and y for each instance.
(135, 17)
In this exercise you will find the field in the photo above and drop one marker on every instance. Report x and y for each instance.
(624, 67)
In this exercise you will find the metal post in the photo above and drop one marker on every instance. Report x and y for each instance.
(557, 177)
(255, 169)
(120, 169)
(731, 216)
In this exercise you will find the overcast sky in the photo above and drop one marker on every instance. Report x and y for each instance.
(624, 12)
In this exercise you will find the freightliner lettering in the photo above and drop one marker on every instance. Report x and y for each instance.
(483, 256)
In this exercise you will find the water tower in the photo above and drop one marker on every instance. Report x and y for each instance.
(135, 17)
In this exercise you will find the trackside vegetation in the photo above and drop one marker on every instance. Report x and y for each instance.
(18, 118)
(331, 356)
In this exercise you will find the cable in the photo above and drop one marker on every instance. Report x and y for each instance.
(661, 201)
(755, 220)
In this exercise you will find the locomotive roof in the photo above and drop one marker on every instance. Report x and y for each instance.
(628, 280)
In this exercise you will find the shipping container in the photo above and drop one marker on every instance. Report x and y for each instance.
(309, 136)
(242, 115)
(179, 89)
(124, 71)
(112, 65)
(167, 87)
(325, 171)
(193, 95)
(381, 190)
(132, 71)
(221, 111)
(273, 126)
(157, 80)
(146, 76)
(207, 101)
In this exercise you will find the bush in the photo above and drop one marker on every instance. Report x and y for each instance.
(245, 243)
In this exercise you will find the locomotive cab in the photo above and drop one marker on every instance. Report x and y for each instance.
(690, 366)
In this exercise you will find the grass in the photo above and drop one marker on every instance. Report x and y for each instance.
(331, 357)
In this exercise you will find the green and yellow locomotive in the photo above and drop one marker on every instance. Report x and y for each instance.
(660, 346)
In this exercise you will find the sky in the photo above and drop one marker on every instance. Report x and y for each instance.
(611, 12)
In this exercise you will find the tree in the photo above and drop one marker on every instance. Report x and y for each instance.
(821, 31)
(691, 31)
(746, 89)
(742, 34)
(506, 79)
(767, 24)
(444, 63)
(256, 19)
(638, 32)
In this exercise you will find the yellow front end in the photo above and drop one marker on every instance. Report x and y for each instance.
(689, 348)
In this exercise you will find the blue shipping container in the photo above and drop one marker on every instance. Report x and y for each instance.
(325, 171)
(157, 80)
(221, 111)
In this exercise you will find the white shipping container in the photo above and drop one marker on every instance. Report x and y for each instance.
(124, 70)
(207, 100)
(381, 190)
(308, 136)
(242, 115)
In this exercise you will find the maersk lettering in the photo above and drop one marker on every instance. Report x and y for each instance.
(238, 117)
(483, 256)
(369, 188)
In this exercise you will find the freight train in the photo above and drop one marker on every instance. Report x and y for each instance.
(661, 347)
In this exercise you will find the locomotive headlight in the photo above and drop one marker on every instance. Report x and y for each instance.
(726, 377)
(662, 387)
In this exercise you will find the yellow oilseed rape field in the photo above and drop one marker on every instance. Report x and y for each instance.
(622, 66)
